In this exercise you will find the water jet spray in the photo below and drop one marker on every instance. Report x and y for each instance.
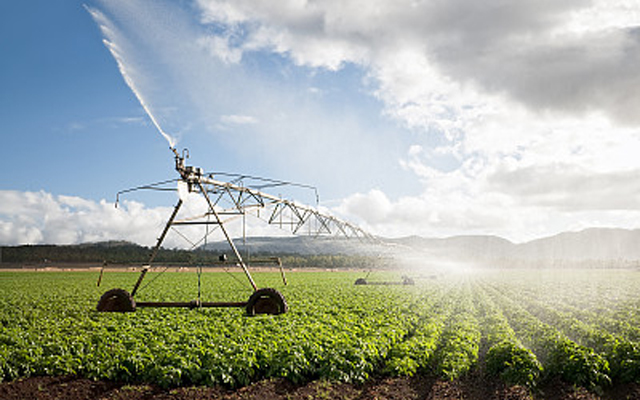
(127, 72)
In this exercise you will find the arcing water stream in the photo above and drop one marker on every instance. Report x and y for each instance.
(109, 32)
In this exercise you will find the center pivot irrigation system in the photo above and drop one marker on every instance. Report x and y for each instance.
(224, 201)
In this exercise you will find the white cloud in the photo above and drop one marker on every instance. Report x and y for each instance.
(569, 187)
(43, 218)
(372, 207)
(570, 56)
(40, 217)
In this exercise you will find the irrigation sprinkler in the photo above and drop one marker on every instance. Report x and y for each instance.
(229, 200)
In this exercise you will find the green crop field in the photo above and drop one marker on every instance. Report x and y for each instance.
(519, 326)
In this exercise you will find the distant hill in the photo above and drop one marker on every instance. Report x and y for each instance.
(590, 247)
(321, 253)
(589, 244)
(601, 247)
(112, 252)
(303, 245)
(595, 247)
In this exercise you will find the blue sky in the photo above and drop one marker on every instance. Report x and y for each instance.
(425, 118)
(70, 123)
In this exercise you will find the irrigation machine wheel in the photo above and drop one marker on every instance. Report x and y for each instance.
(361, 281)
(266, 301)
(116, 300)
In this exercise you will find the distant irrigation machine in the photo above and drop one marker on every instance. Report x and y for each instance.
(228, 200)
(405, 280)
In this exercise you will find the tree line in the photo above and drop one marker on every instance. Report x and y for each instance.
(124, 253)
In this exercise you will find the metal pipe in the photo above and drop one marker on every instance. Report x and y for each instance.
(226, 235)
(284, 278)
(104, 264)
(189, 304)
(144, 271)
(155, 250)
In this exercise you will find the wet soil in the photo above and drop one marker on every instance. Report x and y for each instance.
(419, 387)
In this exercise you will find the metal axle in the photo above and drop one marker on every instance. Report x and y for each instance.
(190, 304)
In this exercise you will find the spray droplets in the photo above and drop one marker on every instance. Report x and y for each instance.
(126, 69)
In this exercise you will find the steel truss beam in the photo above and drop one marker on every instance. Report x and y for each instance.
(231, 199)
(228, 198)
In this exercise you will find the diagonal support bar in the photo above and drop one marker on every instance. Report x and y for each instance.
(226, 235)
(155, 250)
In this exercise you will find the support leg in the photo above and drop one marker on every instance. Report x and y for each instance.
(155, 250)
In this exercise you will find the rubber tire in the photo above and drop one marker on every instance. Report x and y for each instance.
(266, 301)
(116, 300)
(361, 281)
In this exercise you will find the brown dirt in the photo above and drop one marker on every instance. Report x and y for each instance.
(420, 387)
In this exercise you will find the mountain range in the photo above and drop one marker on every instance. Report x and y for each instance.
(590, 245)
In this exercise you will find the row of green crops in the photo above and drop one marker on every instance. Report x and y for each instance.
(518, 326)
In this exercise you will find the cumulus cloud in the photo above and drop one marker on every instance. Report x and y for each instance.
(569, 187)
(521, 205)
(534, 102)
(568, 56)
(40, 217)
(44, 218)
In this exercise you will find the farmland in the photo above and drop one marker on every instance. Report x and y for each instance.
(522, 328)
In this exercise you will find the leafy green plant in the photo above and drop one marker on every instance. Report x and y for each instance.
(334, 330)
(514, 364)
